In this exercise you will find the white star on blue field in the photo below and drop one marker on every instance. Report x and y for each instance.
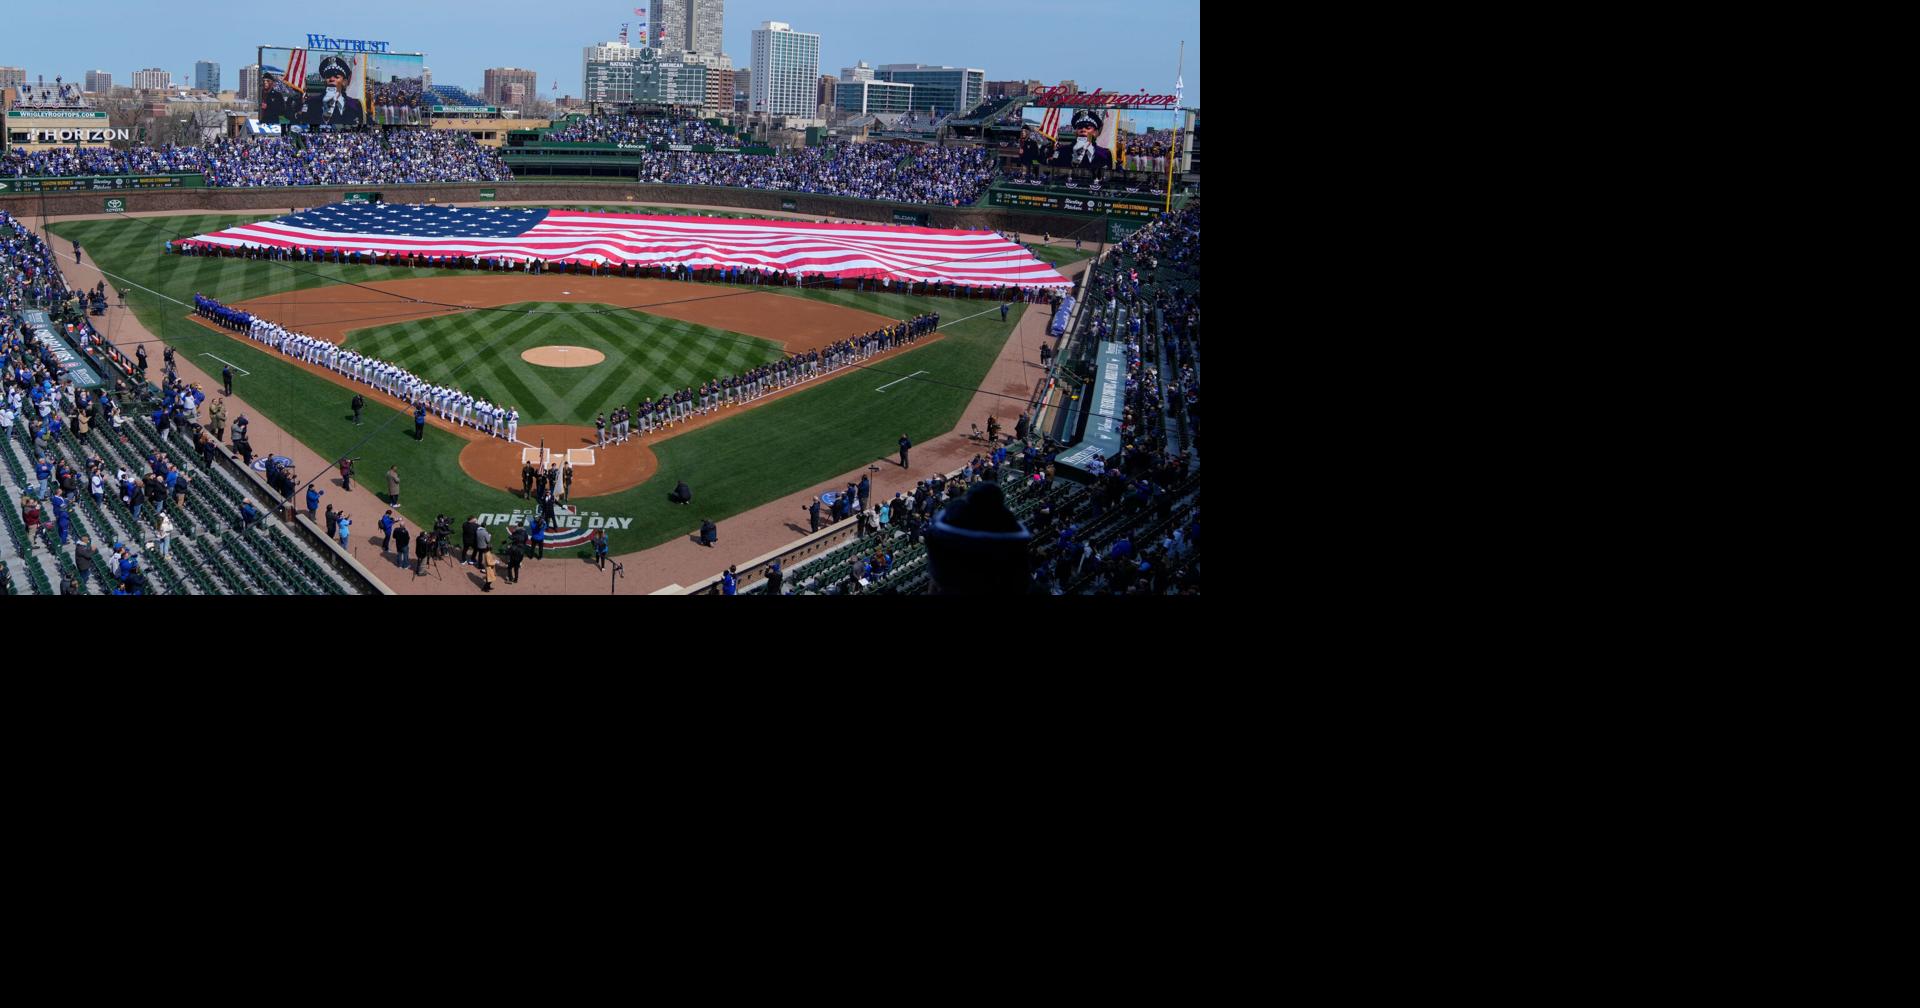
(417, 221)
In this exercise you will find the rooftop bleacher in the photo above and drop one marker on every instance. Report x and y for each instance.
(447, 94)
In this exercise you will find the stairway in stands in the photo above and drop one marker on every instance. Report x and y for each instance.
(208, 555)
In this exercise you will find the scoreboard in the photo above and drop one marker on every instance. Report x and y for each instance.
(1145, 206)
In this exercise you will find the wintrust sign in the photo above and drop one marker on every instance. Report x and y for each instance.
(345, 45)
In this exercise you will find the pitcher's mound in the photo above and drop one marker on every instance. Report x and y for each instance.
(496, 462)
(563, 356)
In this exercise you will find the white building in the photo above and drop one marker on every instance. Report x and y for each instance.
(786, 71)
(152, 79)
(249, 83)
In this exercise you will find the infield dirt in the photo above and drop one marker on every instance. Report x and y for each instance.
(796, 324)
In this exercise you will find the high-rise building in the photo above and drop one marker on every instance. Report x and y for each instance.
(497, 79)
(152, 79)
(786, 67)
(823, 92)
(686, 25)
(99, 81)
(720, 89)
(943, 89)
(859, 96)
(249, 83)
(206, 76)
(13, 77)
(426, 76)
(858, 72)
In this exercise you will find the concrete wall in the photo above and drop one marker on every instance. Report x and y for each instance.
(147, 201)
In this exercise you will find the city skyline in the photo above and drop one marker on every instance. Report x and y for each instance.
(1048, 40)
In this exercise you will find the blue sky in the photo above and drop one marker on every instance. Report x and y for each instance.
(1122, 46)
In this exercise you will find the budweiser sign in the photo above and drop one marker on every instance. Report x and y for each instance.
(1059, 96)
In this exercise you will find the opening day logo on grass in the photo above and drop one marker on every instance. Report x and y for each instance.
(571, 526)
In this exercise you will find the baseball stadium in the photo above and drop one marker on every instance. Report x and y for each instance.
(376, 336)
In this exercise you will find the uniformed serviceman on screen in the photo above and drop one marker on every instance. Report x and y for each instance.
(333, 106)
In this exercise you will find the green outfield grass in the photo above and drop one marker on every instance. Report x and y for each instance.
(750, 458)
(1057, 256)
(646, 356)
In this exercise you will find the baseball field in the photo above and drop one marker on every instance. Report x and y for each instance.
(477, 331)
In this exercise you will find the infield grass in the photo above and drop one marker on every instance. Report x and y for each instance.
(479, 352)
(751, 457)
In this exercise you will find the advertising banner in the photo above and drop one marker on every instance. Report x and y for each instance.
(65, 357)
(192, 180)
(1145, 206)
(317, 87)
(91, 134)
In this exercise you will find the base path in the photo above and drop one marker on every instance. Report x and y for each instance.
(797, 324)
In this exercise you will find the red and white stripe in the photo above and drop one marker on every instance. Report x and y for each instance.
(296, 74)
(832, 250)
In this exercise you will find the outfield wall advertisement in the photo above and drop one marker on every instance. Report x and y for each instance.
(319, 87)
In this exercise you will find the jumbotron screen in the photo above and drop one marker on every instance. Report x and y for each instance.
(321, 87)
(1107, 138)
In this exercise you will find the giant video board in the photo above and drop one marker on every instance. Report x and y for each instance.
(323, 87)
(1129, 139)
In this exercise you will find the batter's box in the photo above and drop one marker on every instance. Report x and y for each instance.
(544, 457)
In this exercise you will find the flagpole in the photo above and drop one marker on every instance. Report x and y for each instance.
(1173, 149)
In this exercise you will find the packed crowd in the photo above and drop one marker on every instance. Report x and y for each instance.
(391, 156)
(42, 407)
(1172, 242)
(954, 176)
(633, 129)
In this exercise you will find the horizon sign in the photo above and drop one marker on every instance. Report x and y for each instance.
(345, 45)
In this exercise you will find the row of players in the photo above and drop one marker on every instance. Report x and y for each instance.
(449, 404)
(766, 379)
(458, 407)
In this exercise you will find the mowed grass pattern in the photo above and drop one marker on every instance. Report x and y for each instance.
(751, 457)
(479, 351)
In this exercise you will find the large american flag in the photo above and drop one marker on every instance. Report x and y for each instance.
(833, 250)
